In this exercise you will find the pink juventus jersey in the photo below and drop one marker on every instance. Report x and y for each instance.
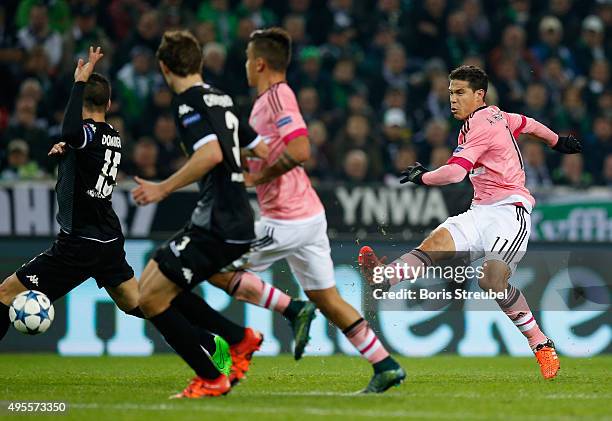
(488, 150)
(277, 120)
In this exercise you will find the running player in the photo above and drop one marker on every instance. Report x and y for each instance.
(498, 224)
(221, 226)
(293, 224)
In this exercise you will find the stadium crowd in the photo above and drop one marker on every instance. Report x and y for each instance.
(371, 77)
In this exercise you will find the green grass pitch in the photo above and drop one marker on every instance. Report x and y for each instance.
(443, 387)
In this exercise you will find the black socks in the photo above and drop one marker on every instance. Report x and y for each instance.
(202, 315)
(190, 343)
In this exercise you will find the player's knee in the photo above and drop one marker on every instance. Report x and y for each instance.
(148, 304)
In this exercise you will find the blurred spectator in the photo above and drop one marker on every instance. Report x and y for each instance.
(136, 82)
(355, 166)
(25, 125)
(236, 58)
(598, 144)
(19, 166)
(514, 48)
(308, 100)
(437, 103)
(343, 82)
(428, 28)
(144, 160)
(295, 25)
(357, 135)
(83, 34)
(536, 103)
(477, 22)
(550, 43)
(459, 42)
(591, 44)
(214, 66)
(556, 79)
(173, 14)
(170, 156)
(562, 10)
(146, 35)
(218, 13)
(58, 12)
(255, 11)
(39, 33)
(439, 157)
(511, 89)
(436, 134)
(607, 171)
(599, 81)
(573, 115)
(536, 171)
(309, 74)
(124, 16)
(319, 164)
(395, 134)
(571, 172)
(339, 45)
(205, 33)
(404, 157)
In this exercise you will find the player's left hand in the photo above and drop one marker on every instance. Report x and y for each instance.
(58, 149)
(414, 173)
(568, 144)
(147, 192)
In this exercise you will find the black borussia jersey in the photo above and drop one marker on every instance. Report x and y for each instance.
(205, 114)
(87, 174)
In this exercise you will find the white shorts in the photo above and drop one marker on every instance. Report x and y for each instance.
(305, 245)
(495, 232)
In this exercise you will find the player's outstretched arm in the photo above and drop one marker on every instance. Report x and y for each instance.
(446, 174)
(201, 162)
(563, 144)
(296, 153)
(72, 126)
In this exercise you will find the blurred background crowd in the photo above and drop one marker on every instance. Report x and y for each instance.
(371, 77)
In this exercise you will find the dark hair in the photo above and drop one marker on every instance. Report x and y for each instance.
(273, 45)
(474, 76)
(97, 92)
(180, 51)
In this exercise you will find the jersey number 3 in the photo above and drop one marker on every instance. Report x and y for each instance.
(231, 121)
(104, 186)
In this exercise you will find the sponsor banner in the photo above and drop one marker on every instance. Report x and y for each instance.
(373, 213)
(567, 289)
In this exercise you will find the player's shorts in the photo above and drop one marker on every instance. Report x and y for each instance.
(193, 254)
(72, 260)
(305, 245)
(495, 232)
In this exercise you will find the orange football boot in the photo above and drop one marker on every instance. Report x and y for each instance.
(200, 387)
(548, 360)
(242, 353)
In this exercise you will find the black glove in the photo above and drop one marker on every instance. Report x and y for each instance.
(568, 144)
(414, 173)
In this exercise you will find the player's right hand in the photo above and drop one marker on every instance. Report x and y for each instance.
(84, 70)
(568, 144)
(58, 149)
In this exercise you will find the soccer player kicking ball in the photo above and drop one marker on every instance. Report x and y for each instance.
(498, 224)
(293, 224)
(221, 226)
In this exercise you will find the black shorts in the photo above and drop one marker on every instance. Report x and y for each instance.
(72, 260)
(193, 254)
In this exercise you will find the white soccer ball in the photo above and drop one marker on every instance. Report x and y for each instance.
(31, 312)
